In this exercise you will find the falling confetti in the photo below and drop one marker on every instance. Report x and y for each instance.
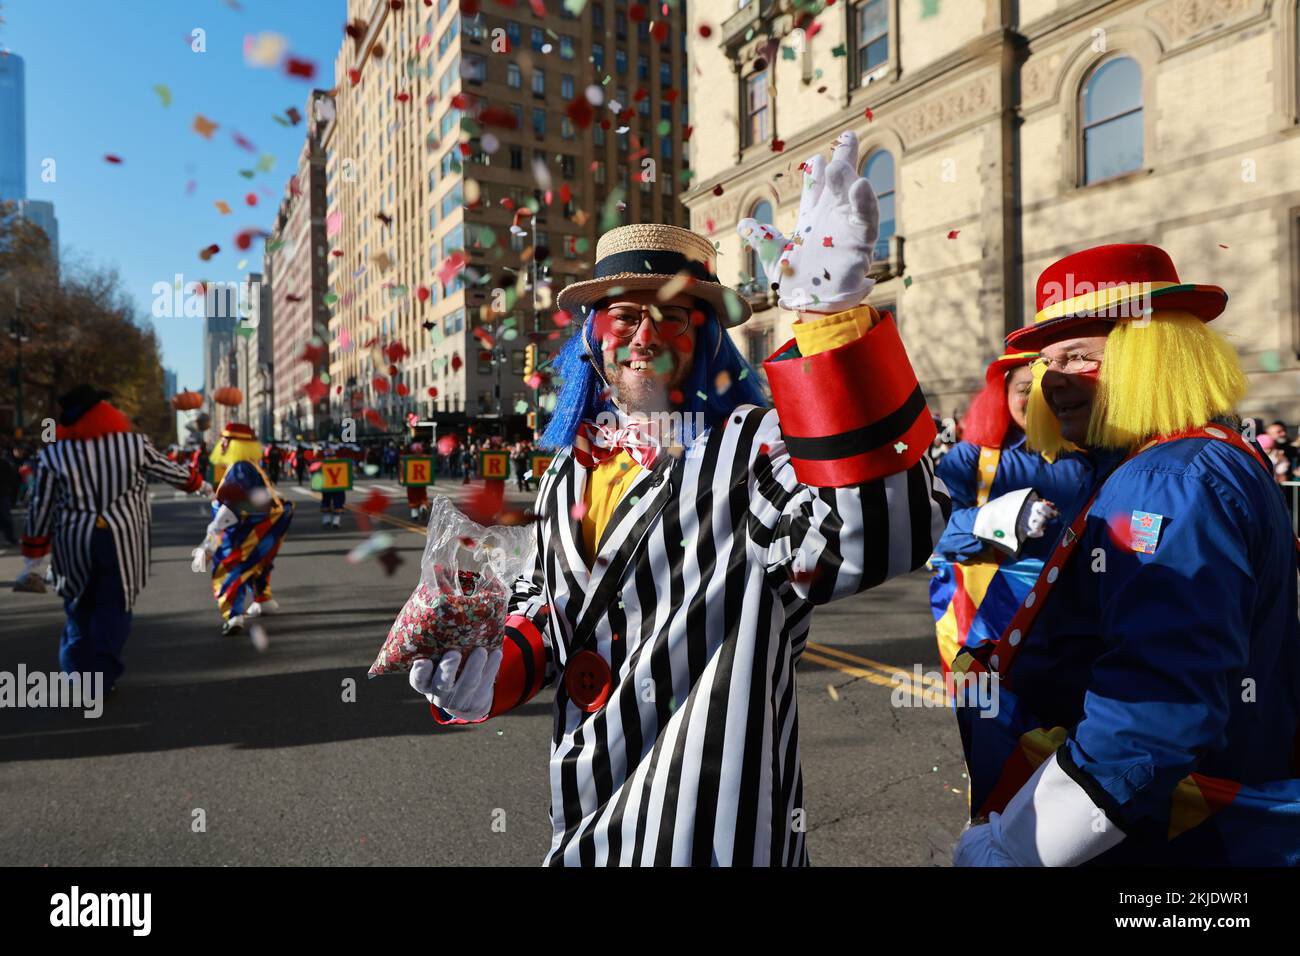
(113, 158)
(830, 689)
(204, 126)
(164, 94)
(953, 233)
(264, 50)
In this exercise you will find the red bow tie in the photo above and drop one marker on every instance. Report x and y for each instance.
(595, 443)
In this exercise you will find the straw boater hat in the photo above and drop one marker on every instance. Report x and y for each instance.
(647, 257)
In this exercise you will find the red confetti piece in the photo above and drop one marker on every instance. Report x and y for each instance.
(675, 396)
(706, 31)
(396, 351)
(636, 13)
(354, 76)
(467, 541)
(869, 115)
(566, 194)
(778, 145)
(242, 142)
(952, 234)
(433, 392)
(402, 389)
(392, 370)
(671, 94)
(422, 293)
(659, 30)
(251, 199)
(686, 134)
(402, 97)
(380, 383)
(245, 239)
(718, 190)
(812, 30)
(826, 241)
(315, 390)
(447, 443)
(1222, 246)
(113, 158)
(312, 353)
(376, 503)
(498, 116)
(305, 69)
(209, 252)
(456, 362)
(578, 510)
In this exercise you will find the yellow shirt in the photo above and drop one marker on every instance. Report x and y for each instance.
(607, 482)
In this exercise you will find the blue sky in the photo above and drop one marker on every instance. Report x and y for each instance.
(91, 67)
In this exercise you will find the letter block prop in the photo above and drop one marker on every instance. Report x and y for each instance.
(541, 465)
(335, 474)
(416, 471)
(494, 465)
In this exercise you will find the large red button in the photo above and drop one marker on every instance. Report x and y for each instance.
(587, 679)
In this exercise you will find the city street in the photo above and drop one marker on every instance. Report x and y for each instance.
(285, 771)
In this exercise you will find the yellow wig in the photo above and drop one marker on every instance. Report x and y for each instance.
(238, 449)
(1157, 378)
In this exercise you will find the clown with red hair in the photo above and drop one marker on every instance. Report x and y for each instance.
(1005, 501)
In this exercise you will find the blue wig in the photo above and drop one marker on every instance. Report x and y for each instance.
(715, 353)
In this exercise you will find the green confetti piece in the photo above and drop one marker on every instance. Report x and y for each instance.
(817, 74)
(521, 407)
(840, 50)
(1269, 361)
(329, 298)
(664, 127)
(509, 335)
(687, 175)
(929, 8)
(575, 6)
(281, 120)
(273, 244)
(749, 34)
(164, 94)
(265, 163)
(907, 282)
(744, 373)
(248, 173)
(703, 397)
(787, 53)
(605, 81)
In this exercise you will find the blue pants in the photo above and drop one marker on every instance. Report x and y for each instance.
(331, 502)
(96, 630)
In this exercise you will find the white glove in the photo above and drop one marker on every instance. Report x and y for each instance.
(1009, 520)
(823, 266)
(222, 520)
(204, 490)
(467, 697)
(981, 845)
(202, 560)
(32, 576)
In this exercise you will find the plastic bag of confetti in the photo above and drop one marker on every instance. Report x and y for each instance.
(467, 573)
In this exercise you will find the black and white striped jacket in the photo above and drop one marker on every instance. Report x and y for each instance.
(700, 599)
(78, 480)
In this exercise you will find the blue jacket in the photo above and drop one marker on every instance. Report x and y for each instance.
(1065, 483)
(1186, 658)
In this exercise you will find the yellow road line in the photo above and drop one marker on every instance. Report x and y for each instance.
(900, 680)
(887, 669)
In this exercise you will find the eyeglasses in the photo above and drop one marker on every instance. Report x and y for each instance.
(1072, 363)
(670, 322)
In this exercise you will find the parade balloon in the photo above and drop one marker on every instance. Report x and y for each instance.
(186, 401)
(228, 396)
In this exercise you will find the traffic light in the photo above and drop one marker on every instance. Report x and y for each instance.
(530, 361)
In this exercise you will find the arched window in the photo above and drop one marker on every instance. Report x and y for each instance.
(1112, 120)
(762, 214)
(879, 169)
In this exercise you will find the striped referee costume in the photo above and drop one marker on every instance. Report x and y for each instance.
(90, 506)
(700, 599)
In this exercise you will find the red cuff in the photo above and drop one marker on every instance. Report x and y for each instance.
(35, 547)
(195, 482)
(522, 673)
(852, 414)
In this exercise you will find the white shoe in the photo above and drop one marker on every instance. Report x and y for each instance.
(415, 513)
(254, 610)
(337, 520)
(324, 521)
(269, 606)
(233, 625)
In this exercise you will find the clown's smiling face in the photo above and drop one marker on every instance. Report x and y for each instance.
(647, 348)
(1070, 395)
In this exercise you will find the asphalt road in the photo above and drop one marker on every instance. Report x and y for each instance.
(286, 771)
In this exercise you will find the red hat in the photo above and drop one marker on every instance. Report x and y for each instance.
(1113, 283)
(238, 431)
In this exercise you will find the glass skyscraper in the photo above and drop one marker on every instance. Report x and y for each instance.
(13, 128)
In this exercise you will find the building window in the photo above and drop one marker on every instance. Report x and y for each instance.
(665, 74)
(566, 86)
(1112, 120)
(879, 169)
(539, 121)
(539, 84)
(872, 37)
(450, 121)
(452, 201)
(598, 134)
(758, 114)
(448, 35)
(474, 68)
(512, 34)
(643, 67)
(538, 39)
(665, 148)
(598, 17)
(598, 55)
(566, 47)
(514, 76)
(620, 61)
(620, 25)
(761, 214)
(568, 165)
(566, 128)
(516, 157)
